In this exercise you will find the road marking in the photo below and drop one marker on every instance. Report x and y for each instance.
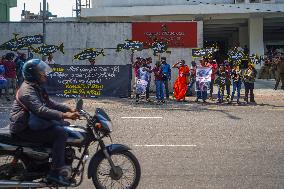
(277, 109)
(141, 117)
(166, 145)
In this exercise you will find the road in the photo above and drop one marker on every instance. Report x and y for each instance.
(188, 145)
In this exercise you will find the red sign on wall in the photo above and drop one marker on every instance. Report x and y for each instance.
(176, 34)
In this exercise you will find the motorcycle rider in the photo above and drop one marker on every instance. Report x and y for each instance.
(32, 99)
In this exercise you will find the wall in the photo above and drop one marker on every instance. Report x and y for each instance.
(78, 36)
(129, 3)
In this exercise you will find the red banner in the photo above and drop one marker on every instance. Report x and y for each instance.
(175, 34)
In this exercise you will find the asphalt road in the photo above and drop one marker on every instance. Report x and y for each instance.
(188, 145)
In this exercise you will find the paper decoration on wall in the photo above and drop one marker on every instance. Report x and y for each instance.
(19, 43)
(130, 45)
(207, 52)
(46, 50)
(255, 59)
(159, 47)
(236, 56)
(89, 54)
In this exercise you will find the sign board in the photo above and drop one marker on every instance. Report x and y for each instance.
(89, 81)
(175, 34)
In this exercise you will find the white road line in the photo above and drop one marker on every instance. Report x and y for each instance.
(141, 117)
(162, 145)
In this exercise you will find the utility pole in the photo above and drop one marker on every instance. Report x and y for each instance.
(44, 21)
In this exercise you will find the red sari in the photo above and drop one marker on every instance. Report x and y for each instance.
(180, 85)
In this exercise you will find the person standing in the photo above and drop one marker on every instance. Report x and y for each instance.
(166, 70)
(202, 92)
(20, 60)
(192, 77)
(181, 83)
(149, 67)
(237, 82)
(213, 65)
(51, 61)
(249, 79)
(136, 66)
(10, 74)
(221, 83)
(159, 82)
(143, 77)
(228, 80)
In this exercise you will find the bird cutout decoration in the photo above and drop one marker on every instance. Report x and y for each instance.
(46, 50)
(130, 45)
(89, 54)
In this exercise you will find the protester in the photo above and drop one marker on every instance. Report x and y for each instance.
(192, 76)
(10, 73)
(136, 66)
(228, 80)
(213, 65)
(202, 92)
(181, 83)
(142, 79)
(249, 79)
(159, 82)
(20, 60)
(3, 80)
(148, 63)
(221, 82)
(237, 82)
(166, 68)
(51, 61)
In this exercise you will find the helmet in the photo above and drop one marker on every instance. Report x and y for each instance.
(33, 68)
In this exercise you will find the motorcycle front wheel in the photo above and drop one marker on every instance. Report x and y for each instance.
(127, 174)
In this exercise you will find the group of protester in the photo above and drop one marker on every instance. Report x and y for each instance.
(223, 75)
(11, 73)
(162, 74)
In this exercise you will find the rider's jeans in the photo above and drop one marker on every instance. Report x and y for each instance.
(55, 135)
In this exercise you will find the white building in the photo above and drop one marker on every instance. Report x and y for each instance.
(255, 23)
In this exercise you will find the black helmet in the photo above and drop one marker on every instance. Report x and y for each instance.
(33, 68)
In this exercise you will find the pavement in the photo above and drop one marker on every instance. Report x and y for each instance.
(184, 145)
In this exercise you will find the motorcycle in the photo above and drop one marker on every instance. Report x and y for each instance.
(25, 165)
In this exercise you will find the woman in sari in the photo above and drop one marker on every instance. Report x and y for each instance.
(181, 83)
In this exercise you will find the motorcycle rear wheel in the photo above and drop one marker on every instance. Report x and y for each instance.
(129, 171)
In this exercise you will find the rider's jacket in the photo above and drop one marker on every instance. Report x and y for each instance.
(31, 97)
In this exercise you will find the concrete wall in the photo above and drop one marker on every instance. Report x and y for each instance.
(78, 36)
(129, 3)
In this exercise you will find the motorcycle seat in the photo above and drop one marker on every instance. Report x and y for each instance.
(7, 137)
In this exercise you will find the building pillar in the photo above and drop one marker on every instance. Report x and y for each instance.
(243, 36)
(256, 45)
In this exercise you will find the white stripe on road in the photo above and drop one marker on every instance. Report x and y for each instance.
(142, 117)
(162, 145)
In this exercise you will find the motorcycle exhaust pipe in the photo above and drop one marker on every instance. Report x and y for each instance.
(16, 184)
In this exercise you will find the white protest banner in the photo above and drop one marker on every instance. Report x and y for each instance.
(203, 78)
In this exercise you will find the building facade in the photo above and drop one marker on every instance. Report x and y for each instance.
(5, 6)
(255, 23)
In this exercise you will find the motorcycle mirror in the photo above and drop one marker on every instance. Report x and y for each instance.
(79, 104)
